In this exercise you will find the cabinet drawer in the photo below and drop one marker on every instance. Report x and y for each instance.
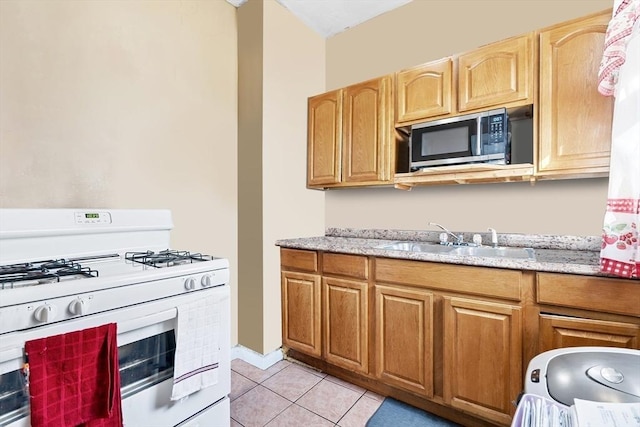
(588, 292)
(297, 259)
(483, 281)
(355, 266)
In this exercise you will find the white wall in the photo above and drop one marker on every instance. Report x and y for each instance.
(422, 31)
(123, 105)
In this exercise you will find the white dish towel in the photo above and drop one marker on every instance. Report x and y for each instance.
(197, 347)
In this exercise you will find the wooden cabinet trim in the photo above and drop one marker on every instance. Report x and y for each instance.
(356, 266)
(299, 259)
(589, 292)
(491, 282)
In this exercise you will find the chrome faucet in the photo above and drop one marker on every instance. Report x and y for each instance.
(459, 238)
(494, 237)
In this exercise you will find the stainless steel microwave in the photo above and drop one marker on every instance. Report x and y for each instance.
(474, 138)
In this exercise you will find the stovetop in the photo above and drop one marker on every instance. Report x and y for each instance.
(54, 271)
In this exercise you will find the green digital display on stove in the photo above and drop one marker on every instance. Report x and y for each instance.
(92, 215)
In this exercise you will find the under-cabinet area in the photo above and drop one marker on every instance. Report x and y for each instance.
(360, 135)
(453, 339)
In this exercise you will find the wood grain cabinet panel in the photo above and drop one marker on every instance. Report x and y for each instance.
(301, 312)
(366, 132)
(497, 74)
(424, 91)
(562, 331)
(324, 139)
(575, 119)
(404, 338)
(346, 323)
(482, 357)
(349, 136)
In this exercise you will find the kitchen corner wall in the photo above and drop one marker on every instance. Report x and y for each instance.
(422, 31)
(281, 62)
(112, 104)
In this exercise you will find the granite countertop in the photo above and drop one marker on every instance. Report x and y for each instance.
(553, 253)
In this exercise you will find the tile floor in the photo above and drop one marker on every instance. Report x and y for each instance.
(290, 394)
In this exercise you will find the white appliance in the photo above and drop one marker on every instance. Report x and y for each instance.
(600, 374)
(64, 270)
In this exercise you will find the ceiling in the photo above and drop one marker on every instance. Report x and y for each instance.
(330, 17)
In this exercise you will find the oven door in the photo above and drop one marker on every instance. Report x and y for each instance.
(146, 347)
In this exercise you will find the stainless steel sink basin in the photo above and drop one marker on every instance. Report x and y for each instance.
(499, 252)
(418, 247)
(479, 251)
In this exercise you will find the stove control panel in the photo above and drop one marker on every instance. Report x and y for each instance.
(93, 218)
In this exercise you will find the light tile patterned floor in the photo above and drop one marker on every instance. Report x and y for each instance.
(292, 395)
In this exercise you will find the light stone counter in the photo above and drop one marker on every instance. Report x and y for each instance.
(561, 254)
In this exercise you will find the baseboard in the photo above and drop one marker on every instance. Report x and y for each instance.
(262, 361)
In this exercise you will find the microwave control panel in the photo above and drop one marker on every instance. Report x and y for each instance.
(496, 129)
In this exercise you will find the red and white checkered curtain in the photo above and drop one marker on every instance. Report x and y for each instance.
(620, 77)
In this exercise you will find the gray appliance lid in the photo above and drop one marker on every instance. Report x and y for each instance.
(596, 376)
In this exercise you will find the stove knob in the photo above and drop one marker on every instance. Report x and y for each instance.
(206, 280)
(79, 307)
(45, 313)
(190, 283)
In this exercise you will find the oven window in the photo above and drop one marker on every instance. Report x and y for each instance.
(146, 362)
(13, 397)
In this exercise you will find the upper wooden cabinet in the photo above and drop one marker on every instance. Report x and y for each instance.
(424, 91)
(324, 139)
(498, 74)
(349, 135)
(575, 119)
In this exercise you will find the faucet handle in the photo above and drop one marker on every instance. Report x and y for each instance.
(494, 237)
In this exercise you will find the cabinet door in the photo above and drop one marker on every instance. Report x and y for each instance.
(301, 312)
(366, 131)
(497, 74)
(324, 127)
(424, 91)
(561, 332)
(345, 323)
(404, 338)
(482, 357)
(575, 120)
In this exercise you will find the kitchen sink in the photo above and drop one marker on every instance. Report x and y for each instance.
(498, 252)
(418, 247)
(479, 251)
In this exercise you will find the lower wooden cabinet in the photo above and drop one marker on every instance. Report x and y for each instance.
(455, 336)
(482, 357)
(345, 323)
(404, 338)
(301, 312)
(561, 332)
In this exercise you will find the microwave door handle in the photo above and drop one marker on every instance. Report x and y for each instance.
(478, 147)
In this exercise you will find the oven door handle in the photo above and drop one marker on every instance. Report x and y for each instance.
(156, 323)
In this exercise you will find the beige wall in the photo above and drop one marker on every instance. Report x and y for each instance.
(294, 67)
(123, 105)
(426, 30)
(281, 63)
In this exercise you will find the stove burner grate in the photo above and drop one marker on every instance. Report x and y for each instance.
(166, 258)
(42, 272)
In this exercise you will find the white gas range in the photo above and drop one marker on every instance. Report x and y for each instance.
(64, 270)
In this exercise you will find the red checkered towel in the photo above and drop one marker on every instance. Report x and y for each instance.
(74, 379)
